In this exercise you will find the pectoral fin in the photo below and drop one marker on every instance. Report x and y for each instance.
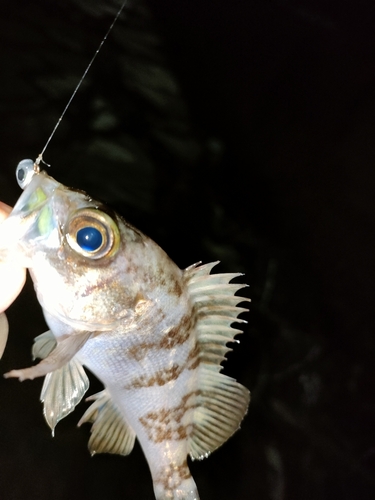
(62, 389)
(62, 354)
(109, 433)
(44, 344)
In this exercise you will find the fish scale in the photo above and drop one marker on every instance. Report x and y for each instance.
(154, 335)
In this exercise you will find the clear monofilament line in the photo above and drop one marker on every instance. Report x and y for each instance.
(40, 156)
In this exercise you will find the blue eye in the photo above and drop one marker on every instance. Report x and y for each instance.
(89, 239)
(92, 233)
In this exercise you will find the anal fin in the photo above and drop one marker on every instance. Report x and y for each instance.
(109, 432)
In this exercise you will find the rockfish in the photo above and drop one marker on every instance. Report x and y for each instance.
(154, 335)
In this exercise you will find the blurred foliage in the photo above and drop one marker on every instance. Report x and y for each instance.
(232, 132)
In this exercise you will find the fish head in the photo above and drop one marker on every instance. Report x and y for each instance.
(89, 267)
(49, 217)
(26, 226)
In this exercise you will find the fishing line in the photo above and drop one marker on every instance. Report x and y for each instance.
(40, 156)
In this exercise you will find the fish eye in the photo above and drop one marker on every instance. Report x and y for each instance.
(92, 233)
(89, 238)
(25, 172)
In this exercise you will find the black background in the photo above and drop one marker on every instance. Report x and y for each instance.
(238, 131)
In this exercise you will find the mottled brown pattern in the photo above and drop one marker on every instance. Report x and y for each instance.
(137, 351)
(171, 477)
(102, 284)
(177, 335)
(161, 377)
(175, 288)
(166, 424)
(169, 280)
(182, 432)
(193, 358)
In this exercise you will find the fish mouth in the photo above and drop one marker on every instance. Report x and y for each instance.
(31, 221)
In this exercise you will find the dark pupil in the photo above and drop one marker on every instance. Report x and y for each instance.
(89, 239)
(21, 174)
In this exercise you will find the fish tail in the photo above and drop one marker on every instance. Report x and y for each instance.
(174, 482)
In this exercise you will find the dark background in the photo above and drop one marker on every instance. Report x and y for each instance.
(239, 131)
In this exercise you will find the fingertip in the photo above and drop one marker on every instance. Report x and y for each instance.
(4, 210)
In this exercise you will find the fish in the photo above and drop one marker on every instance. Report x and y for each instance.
(153, 334)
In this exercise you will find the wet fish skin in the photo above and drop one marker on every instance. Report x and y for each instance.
(153, 334)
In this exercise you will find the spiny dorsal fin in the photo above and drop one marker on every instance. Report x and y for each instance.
(62, 389)
(221, 401)
(109, 432)
(215, 306)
